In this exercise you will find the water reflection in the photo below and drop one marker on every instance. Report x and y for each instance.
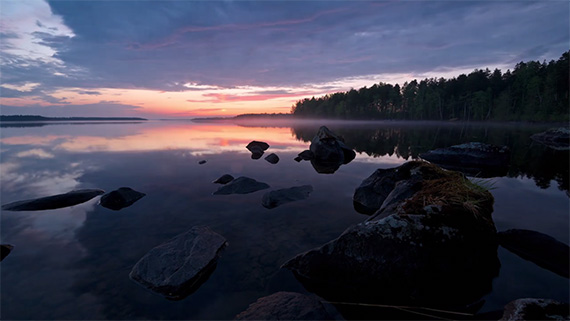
(528, 159)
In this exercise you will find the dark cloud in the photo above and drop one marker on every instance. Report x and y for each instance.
(162, 45)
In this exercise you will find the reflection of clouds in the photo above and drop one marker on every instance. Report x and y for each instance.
(386, 159)
(31, 140)
(37, 152)
(38, 183)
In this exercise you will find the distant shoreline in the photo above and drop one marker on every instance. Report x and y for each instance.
(23, 118)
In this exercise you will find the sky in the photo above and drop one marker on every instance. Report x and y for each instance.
(184, 59)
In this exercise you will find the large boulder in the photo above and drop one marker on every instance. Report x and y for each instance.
(437, 246)
(120, 198)
(536, 309)
(478, 159)
(281, 196)
(5, 249)
(241, 185)
(179, 266)
(329, 151)
(285, 306)
(541, 249)
(555, 138)
(257, 148)
(52, 202)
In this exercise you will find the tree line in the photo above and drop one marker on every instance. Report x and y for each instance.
(533, 91)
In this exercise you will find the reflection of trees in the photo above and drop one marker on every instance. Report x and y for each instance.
(528, 159)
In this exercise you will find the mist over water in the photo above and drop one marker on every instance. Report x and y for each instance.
(73, 263)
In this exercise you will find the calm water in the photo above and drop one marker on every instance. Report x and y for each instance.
(73, 263)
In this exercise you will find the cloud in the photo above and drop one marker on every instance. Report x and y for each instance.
(208, 46)
(102, 109)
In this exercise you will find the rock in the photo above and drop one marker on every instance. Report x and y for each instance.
(272, 158)
(370, 195)
(56, 201)
(202, 162)
(555, 138)
(304, 155)
(285, 306)
(329, 152)
(224, 179)
(241, 185)
(536, 309)
(120, 198)
(434, 244)
(478, 159)
(257, 149)
(281, 196)
(179, 266)
(5, 249)
(541, 249)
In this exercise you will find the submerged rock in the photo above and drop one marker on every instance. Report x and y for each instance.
(285, 306)
(257, 149)
(482, 160)
(541, 249)
(555, 138)
(56, 201)
(436, 246)
(241, 185)
(5, 249)
(120, 198)
(176, 268)
(536, 309)
(281, 196)
(272, 158)
(202, 162)
(224, 179)
(329, 152)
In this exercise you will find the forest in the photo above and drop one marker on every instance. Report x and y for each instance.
(532, 91)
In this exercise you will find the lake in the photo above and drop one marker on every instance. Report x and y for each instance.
(74, 263)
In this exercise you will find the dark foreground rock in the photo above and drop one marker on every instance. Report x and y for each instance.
(556, 138)
(327, 152)
(281, 196)
(482, 160)
(536, 309)
(241, 185)
(257, 149)
(272, 158)
(435, 247)
(202, 162)
(541, 249)
(55, 201)
(5, 249)
(176, 268)
(224, 179)
(120, 198)
(285, 306)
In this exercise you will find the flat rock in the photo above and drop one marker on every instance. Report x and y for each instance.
(541, 249)
(52, 202)
(304, 155)
(555, 138)
(120, 198)
(272, 158)
(279, 197)
(5, 249)
(257, 148)
(179, 266)
(285, 306)
(475, 158)
(224, 179)
(241, 185)
(535, 309)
